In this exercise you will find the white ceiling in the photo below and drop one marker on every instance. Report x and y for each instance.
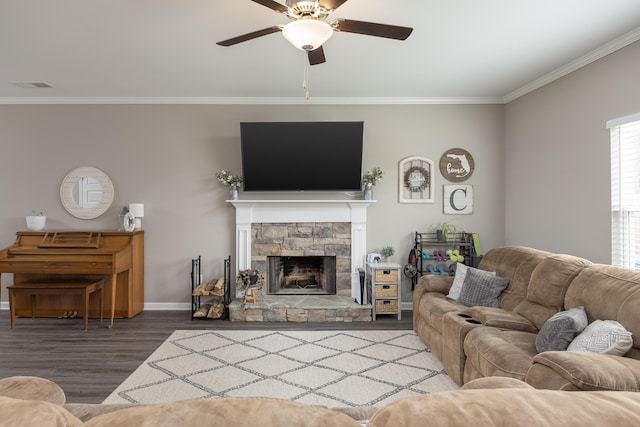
(165, 51)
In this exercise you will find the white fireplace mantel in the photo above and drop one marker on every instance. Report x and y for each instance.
(285, 211)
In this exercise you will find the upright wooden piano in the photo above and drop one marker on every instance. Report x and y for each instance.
(116, 256)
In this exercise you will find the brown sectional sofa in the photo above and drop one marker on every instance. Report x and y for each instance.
(497, 401)
(477, 342)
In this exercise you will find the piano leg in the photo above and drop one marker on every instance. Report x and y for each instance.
(114, 281)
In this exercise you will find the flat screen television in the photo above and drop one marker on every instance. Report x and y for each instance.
(302, 156)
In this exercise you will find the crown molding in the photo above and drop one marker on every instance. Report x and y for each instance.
(243, 101)
(617, 44)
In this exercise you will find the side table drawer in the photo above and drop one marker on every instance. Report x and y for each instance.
(386, 291)
(386, 306)
(386, 276)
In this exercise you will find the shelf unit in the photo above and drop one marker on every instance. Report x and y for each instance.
(383, 288)
(197, 301)
(428, 242)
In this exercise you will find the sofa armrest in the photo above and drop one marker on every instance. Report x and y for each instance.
(592, 371)
(435, 283)
(502, 319)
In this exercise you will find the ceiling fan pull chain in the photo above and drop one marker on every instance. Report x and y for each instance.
(305, 72)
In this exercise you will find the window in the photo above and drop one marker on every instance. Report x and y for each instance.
(625, 191)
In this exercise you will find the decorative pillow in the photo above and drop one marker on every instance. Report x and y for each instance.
(603, 336)
(458, 280)
(557, 333)
(481, 288)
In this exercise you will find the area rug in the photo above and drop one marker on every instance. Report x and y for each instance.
(331, 368)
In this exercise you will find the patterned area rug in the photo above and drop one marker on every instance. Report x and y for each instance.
(331, 368)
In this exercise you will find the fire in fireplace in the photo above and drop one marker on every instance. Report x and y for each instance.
(301, 275)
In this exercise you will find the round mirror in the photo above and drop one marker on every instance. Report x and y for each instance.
(86, 192)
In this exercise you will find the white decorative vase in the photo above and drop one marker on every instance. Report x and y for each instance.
(368, 192)
(233, 193)
(36, 222)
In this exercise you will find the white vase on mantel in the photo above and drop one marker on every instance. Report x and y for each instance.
(233, 192)
(368, 192)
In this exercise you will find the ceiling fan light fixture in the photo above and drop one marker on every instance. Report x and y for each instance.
(307, 34)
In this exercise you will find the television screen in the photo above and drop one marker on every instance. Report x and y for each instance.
(302, 156)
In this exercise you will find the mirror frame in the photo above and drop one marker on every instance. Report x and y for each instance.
(70, 204)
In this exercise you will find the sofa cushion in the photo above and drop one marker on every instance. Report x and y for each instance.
(558, 332)
(511, 407)
(227, 412)
(458, 280)
(498, 352)
(516, 263)
(587, 371)
(482, 288)
(32, 388)
(603, 336)
(548, 286)
(22, 412)
(609, 292)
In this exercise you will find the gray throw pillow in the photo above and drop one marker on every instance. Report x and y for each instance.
(458, 280)
(480, 288)
(557, 333)
(603, 336)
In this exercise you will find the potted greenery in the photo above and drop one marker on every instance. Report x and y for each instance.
(36, 221)
(387, 252)
(443, 230)
(369, 179)
(232, 180)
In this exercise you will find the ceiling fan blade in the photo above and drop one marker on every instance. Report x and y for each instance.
(316, 56)
(249, 36)
(273, 5)
(371, 29)
(332, 4)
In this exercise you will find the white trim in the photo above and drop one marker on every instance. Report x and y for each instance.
(572, 66)
(623, 120)
(247, 101)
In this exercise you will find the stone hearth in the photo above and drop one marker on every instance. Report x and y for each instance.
(300, 308)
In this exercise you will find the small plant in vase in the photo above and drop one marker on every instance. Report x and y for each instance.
(232, 180)
(369, 179)
(387, 252)
(443, 230)
(36, 221)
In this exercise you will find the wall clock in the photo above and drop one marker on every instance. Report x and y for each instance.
(415, 180)
(456, 165)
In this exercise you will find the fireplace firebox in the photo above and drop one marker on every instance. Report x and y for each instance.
(301, 275)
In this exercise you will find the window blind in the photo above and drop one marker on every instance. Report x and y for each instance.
(625, 192)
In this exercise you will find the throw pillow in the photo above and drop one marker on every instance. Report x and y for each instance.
(481, 288)
(603, 336)
(557, 333)
(458, 280)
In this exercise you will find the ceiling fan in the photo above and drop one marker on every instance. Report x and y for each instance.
(308, 30)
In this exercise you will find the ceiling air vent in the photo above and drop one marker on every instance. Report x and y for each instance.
(33, 85)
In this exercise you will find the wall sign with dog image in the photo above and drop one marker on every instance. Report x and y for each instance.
(456, 165)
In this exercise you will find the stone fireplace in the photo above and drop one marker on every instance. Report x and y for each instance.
(301, 275)
(334, 229)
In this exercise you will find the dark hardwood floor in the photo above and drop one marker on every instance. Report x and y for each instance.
(89, 365)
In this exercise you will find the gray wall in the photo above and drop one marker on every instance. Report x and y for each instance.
(557, 170)
(165, 156)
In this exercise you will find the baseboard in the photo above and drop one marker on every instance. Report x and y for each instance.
(185, 306)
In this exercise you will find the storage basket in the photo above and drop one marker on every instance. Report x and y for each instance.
(387, 276)
(386, 291)
(387, 306)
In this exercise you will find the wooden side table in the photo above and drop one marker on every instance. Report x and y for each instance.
(383, 286)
